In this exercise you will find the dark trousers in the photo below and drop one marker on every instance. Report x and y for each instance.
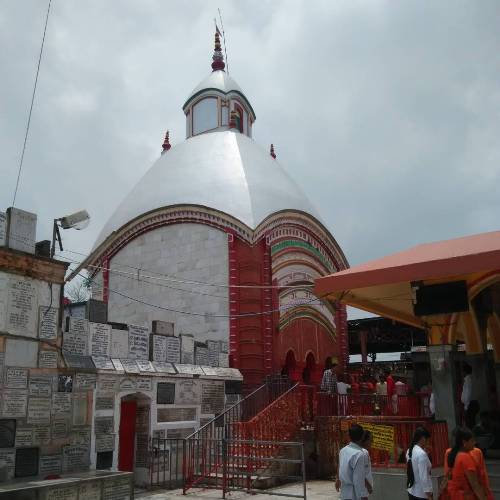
(470, 414)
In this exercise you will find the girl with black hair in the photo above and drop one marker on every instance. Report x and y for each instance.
(418, 466)
(463, 475)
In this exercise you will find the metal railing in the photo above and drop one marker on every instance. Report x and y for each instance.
(202, 458)
(166, 462)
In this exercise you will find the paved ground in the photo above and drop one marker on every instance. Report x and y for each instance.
(316, 490)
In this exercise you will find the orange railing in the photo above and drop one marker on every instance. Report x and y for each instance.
(332, 435)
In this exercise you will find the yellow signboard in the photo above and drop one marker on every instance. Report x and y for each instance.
(382, 435)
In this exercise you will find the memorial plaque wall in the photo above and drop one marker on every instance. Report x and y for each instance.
(173, 350)
(104, 402)
(76, 361)
(21, 230)
(85, 381)
(100, 339)
(80, 408)
(103, 363)
(117, 364)
(138, 341)
(103, 425)
(61, 405)
(165, 393)
(81, 436)
(22, 308)
(213, 352)
(130, 365)
(41, 435)
(61, 493)
(24, 437)
(119, 343)
(75, 343)
(189, 369)
(16, 378)
(75, 458)
(7, 432)
(187, 349)
(162, 367)
(104, 442)
(144, 384)
(89, 490)
(213, 398)
(8, 457)
(40, 386)
(59, 429)
(118, 488)
(159, 347)
(107, 383)
(201, 356)
(14, 403)
(223, 360)
(127, 384)
(47, 322)
(50, 464)
(145, 366)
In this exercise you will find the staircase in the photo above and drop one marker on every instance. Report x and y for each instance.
(217, 447)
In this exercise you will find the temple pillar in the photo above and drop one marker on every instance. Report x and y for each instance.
(444, 384)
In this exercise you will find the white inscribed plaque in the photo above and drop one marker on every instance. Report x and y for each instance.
(159, 348)
(51, 464)
(78, 325)
(145, 366)
(84, 381)
(14, 402)
(61, 493)
(41, 434)
(138, 340)
(39, 411)
(40, 386)
(117, 364)
(128, 384)
(173, 350)
(81, 436)
(201, 356)
(106, 383)
(100, 339)
(24, 437)
(223, 359)
(8, 457)
(89, 490)
(3, 229)
(75, 343)
(61, 404)
(162, 367)
(130, 365)
(80, 410)
(119, 343)
(47, 322)
(22, 307)
(104, 442)
(47, 359)
(144, 383)
(21, 230)
(103, 363)
(187, 392)
(59, 429)
(16, 378)
(213, 352)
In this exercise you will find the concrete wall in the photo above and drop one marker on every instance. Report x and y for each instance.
(188, 251)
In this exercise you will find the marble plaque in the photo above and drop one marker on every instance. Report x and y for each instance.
(119, 343)
(50, 464)
(75, 458)
(187, 392)
(138, 342)
(75, 343)
(16, 378)
(61, 405)
(224, 346)
(176, 414)
(61, 493)
(76, 361)
(144, 384)
(41, 434)
(117, 488)
(189, 369)
(22, 307)
(159, 347)
(3, 229)
(48, 318)
(210, 371)
(173, 350)
(104, 442)
(24, 437)
(40, 386)
(180, 433)
(165, 393)
(85, 381)
(223, 360)
(145, 366)
(162, 367)
(80, 408)
(187, 349)
(106, 383)
(163, 328)
(81, 436)
(229, 373)
(130, 365)
(117, 364)
(7, 433)
(89, 490)
(103, 363)
(201, 356)
(14, 403)
(104, 402)
(103, 425)
(100, 339)
(47, 359)
(213, 352)
(39, 410)
(59, 429)
(79, 326)
(21, 228)
(8, 457)
(213, 398)
(128, 384)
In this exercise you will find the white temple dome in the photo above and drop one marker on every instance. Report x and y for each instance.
(223, 170)
(217, 80)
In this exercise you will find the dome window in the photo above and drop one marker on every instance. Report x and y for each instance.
(205, 115)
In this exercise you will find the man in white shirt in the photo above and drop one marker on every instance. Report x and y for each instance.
(352, 467)
(342, 389)
(471, 406)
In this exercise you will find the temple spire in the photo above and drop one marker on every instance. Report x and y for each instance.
(218, 58)
(166, 143)
(272, 153)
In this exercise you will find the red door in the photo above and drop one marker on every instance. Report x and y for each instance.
(127, 436)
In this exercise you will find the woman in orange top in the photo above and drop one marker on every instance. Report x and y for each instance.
(462, 470)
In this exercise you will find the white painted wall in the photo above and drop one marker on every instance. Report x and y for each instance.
(188, 251)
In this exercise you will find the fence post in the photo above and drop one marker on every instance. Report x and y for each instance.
(224, 467)
(184, 467)
(303, 465)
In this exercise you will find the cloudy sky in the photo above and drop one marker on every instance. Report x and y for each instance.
(386, 113)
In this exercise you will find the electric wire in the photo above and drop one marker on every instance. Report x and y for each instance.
(31, 107)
